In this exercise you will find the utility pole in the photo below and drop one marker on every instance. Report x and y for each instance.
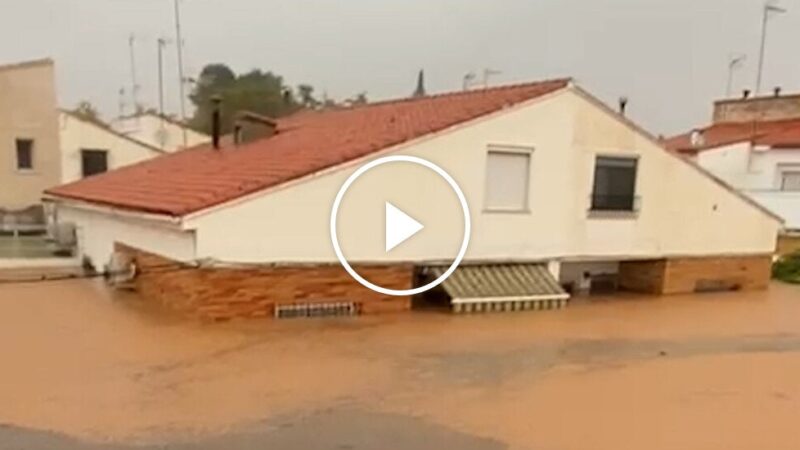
(769, 8)
(181, 90)
(734, 62)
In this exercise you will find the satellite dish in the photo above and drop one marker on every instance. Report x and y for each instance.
(121, 270)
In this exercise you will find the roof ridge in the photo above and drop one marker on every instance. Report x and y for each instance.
(445, 94)
(26, 64)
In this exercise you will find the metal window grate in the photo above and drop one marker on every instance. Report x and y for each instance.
(307, 310)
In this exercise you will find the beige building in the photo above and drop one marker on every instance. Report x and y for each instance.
(30, 160)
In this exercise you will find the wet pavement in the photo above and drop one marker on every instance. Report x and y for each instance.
(83, 369)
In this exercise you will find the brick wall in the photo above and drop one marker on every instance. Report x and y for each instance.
(761, 108)
(788, 244)
(226, 293)
(642, 276)
(685, 275)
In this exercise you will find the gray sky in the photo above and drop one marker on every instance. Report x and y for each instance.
(668, 56)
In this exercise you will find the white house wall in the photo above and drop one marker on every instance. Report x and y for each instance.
(76, 134)
(682, 211)
(757, 174)
(729, 163)
(159, 133)
(98, 231)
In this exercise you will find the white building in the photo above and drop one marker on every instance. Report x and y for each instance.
(158, 131)
(561, 190)
(90, 148)
(761, 158)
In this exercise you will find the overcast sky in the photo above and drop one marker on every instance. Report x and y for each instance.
(668, 56)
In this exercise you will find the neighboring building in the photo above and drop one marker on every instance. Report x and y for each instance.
(90, 148)
(562, 191)
(159, 131)
(757, 156)
(30, 160)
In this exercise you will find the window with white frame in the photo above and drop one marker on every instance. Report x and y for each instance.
(790, 180)
(507, 179)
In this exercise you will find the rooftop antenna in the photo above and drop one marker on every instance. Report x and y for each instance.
(770, 7)
(162, 42)
(468, 80)
(181, 78)
(487, 74)
(134, 82)
(121, 102)
(735, 61)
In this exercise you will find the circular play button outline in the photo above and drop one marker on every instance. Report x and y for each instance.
(387, 160)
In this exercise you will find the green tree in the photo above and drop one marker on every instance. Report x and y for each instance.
(305, 94)
(257, 91)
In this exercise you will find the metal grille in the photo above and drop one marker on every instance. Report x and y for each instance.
(306, 310)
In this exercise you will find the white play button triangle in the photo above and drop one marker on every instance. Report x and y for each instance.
(399, 226)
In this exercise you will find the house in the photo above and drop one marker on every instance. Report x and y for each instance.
(90, 147)
(159, 131)
(753, 144)
(564, 194)
(30, 160)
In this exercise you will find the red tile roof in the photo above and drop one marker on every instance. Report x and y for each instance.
(194, 179)
(776, 134)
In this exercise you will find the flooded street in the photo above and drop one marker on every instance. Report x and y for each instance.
(82, 370)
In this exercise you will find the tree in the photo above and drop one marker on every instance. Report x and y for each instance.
(359, 99)
(305, 93)
(260, 92)
(86, 111)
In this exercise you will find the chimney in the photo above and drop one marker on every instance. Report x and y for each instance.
(777, 91)
(250, 126)
(746, 94)
(623, 103)
(215, 120)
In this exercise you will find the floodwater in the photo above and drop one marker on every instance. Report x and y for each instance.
(84, 370)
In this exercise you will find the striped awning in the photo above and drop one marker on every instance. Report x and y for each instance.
(501, 282)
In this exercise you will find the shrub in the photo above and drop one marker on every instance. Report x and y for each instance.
(787, 269)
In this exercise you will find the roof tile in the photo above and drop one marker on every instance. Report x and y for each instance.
(194, 179)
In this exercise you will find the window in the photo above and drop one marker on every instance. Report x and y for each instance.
(93, 162)
(24, 154)
(507, 180)
(614, 184)
(790, 181)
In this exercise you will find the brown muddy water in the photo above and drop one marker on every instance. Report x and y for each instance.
(84, 370)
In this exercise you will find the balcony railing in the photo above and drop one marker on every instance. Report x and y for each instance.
(615, 203)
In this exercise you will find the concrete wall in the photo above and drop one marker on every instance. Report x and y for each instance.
(28, 111)
(77, 134)
(157, 132)
(683, 212)
(760, 108)
(98, 232)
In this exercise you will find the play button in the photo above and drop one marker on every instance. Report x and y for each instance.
(411, 182)
(399, 226)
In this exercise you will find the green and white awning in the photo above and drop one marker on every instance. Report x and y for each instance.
(502, 287)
